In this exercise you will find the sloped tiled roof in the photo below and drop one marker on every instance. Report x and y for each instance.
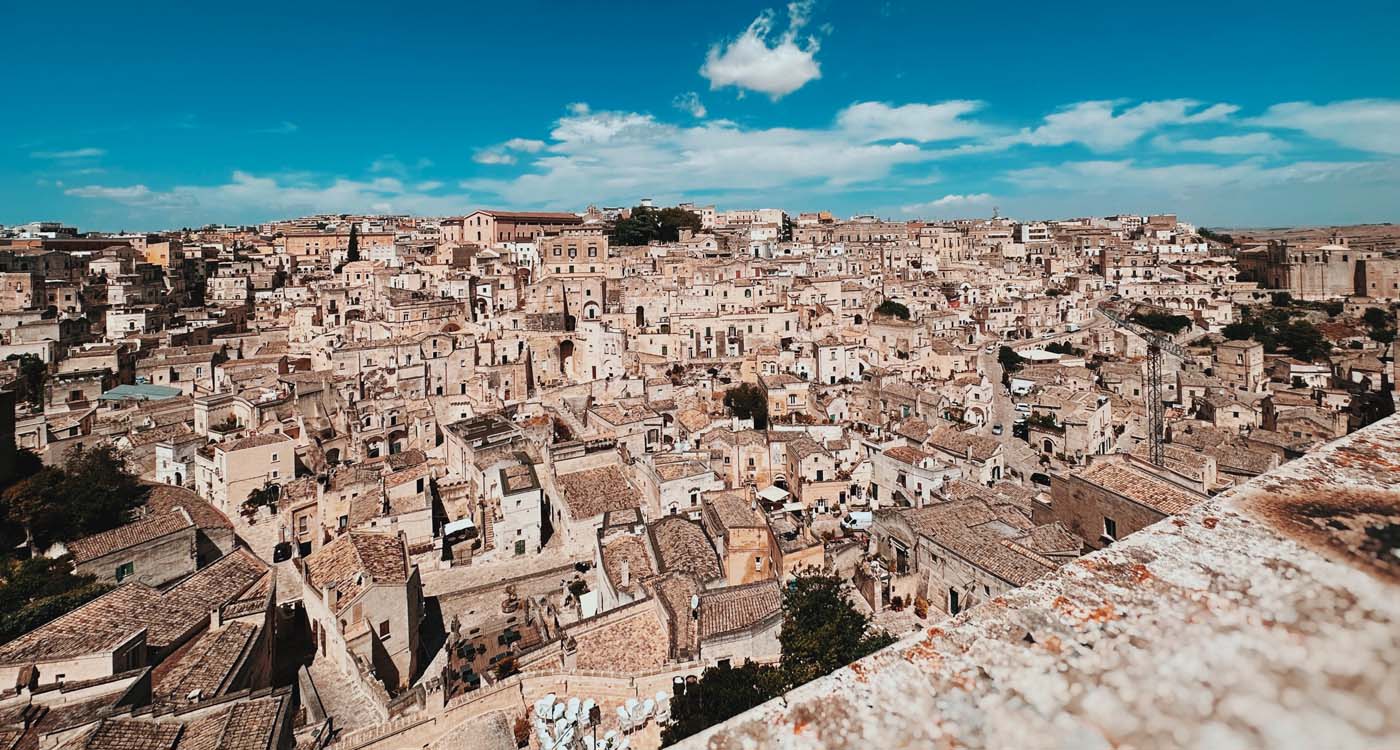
(736, 607)
(129, 535)
(592, 492)
(682, 547)
(206, 665)
(1140, 487)
(110, 619)
(357, 559)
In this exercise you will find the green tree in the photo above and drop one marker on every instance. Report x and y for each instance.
(1380, 322)
(1064, 347)
(720, 694)
(1222, 238)
(1162, 321)
(1375, 317)
(1241, 331)
(893, 309)
(93, 491)
(1010, 361)
(646, 224)
(29, 385)
(35, 591)
(35, 506)
(1302, 340)
(1281, 299)
(352, 248)
(822, 631)
(748, 401)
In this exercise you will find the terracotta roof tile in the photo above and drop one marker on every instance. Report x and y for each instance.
(737, 607)
(129, 535)
(592, 492)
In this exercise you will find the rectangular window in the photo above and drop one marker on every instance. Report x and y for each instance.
(384, 630)
(124, 570)
(1110, 528)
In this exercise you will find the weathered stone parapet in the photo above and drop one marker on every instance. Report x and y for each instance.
(1268, 617)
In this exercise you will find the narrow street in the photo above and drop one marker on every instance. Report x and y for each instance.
(1021, 459)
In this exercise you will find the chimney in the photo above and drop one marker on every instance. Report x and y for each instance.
(626, 574)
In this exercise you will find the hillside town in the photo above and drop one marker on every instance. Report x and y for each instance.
(403, 481)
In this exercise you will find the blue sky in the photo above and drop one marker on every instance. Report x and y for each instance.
(154, 115)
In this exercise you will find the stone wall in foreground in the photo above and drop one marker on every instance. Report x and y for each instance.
(1268, 617)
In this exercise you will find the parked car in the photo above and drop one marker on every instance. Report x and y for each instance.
(996, 429)
(1023, 407)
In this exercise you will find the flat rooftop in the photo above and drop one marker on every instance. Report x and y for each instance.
(1265, 617)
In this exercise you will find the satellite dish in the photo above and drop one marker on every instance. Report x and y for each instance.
(648, 707)
(571, 712)
(694, 601)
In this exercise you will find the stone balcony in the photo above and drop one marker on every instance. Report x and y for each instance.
(1267, 617)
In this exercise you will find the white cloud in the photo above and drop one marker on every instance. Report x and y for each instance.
(620, 156)
(950, 201)
(1249, 143)
(77, 153)
(282, 128)
(877, 121)
(500, 154)
(1365, 124)
(489, 156)
(1098, 124)
(249, 197)
(749, 62)
(128, 194)
(689, 102)
(1091, 176)
(527, 145)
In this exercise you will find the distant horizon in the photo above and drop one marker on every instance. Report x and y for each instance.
(746, 104)
(1213, 227)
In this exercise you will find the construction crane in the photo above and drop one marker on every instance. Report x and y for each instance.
(1156, 411)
